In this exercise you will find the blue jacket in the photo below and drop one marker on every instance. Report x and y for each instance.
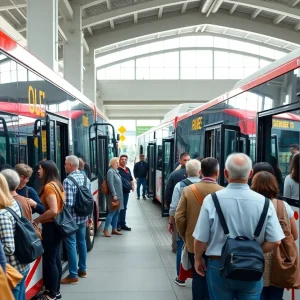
(29, 192)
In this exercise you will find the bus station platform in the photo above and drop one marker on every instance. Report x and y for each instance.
(139, 265)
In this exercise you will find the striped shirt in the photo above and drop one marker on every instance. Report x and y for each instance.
(71, 191)
(7, 232)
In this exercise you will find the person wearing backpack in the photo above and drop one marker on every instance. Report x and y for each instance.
(187, 215)
(235, 216)
(265, 184)
(7, 232)
(76, 267)
(193, 168)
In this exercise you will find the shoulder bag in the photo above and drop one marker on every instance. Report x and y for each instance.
(284, 263)
(197, 194)
(242, 258)
(64, 221)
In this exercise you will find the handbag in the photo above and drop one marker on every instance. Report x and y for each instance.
(242, 258)
(13, 276)
(126, 185)
(285, 260)
(115, 204)
(104, 187)
(64, 221)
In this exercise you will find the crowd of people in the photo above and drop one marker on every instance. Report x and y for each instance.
(48, 204)
(194, 221)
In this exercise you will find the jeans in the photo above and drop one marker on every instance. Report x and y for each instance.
(52, 269)
(143, 182)
(199, 284)
(228, 289)
(112, 219)
(20, 289)
(71, 241)
(272, 293)
(122, 216)
(180, 244)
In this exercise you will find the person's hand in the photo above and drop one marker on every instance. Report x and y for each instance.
(36, 221)
(31, 202)
(115, 198)
(89, 221)
(200, 266)
(171, 228)
(132, 188)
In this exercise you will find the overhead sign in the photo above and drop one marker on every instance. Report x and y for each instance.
(122, 129)
(142, 129)
(122, 138)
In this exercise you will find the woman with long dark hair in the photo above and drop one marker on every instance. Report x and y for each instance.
(52, 196)
(266, 184)
(291, 182)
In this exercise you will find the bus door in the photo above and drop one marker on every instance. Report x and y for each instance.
(5, 151)
(167, 167)
(151, 159)
(277, 130)
(57, 141)
(102, 149)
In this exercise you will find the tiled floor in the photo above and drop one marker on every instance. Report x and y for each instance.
(136, 266)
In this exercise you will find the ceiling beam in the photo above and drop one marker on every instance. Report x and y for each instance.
(4, 7)
(90, 30)
(61, 32)
(217, 5)
(147, 27)
(18, 10)
(255, 13)
(108, 2)
(90, 3)
(233, 8)
(112, 24)
(135, 18)
(278, 19)
(295, 3)
(184, 6)
(277, 8)
(160, 12)
(66, 9)
(297, 27)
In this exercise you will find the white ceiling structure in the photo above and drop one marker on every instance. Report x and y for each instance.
(109, 25)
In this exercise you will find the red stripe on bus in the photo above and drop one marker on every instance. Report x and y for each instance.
(34, 290)
(289, 66)
(32, 271)
(96, 192)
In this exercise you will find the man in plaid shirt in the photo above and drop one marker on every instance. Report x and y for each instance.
(71, 167)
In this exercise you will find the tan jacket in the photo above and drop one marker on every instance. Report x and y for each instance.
(188, 210)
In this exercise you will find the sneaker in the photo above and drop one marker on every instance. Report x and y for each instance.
(126, 228)
(82, 274)
(138, 198)
(179, 282)
(46, 297)
(69, 280)
(58, 295)
(144, 197)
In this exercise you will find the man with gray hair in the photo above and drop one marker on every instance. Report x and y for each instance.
(242, 209)
(75, 268)
(193, 168)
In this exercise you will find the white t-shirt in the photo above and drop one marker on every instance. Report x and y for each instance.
(289, 210)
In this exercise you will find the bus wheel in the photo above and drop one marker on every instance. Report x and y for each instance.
(90, 236)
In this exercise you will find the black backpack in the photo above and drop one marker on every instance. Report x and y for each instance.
(84, 203)
(28, 246)
(242, 258)
(185, 182)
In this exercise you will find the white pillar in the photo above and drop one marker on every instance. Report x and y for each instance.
(42, 31)
(73, 49)
(89, 77)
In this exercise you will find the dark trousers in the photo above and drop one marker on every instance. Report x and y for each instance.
(52, 269)
(141, 182)
(199, 285)
(122, 217)
(271, 293)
